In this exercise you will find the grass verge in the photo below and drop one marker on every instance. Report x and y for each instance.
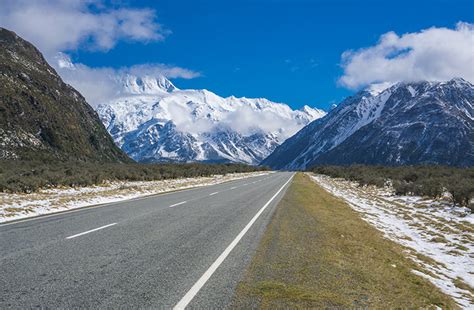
(318, 253)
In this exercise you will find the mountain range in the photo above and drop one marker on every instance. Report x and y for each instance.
(151, 120)
(41, 117)
(154, 121)
(405, 124)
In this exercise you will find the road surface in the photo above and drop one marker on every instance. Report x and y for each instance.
(181, 249)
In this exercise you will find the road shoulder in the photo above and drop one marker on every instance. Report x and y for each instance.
(317, 252)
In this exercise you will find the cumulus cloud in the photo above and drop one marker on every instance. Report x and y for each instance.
(100, 84)
(243, 120)
(57, 27)
(432, 54)
(62, 25)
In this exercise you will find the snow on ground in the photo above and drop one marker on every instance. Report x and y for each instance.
(437, 236)
(17, 206)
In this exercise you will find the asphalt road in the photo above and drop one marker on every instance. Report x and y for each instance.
(187, 248)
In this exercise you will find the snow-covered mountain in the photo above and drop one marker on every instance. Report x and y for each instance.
(153, 121)
(407, 123)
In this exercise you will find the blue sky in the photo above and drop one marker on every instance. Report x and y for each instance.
(286, 51)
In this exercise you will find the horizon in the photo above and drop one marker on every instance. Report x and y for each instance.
(299, 53)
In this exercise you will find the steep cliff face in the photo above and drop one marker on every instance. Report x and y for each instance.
(408, 123)
(41, 117)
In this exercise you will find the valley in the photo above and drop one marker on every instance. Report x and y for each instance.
(297, 180)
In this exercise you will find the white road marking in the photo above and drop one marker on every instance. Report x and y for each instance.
(203, 279)
(89, 231)
(177, 204)
(233, 187)
(212, 194)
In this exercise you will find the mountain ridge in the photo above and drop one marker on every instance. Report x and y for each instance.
(407, 123)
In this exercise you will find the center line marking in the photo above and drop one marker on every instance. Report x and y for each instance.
(177, 204)
(233, 187)
(89, 231)
(212, 194)
(203, 279)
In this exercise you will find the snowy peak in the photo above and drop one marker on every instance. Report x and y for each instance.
(147, 85)
(422, 86)
(312, 112)
(460, 83)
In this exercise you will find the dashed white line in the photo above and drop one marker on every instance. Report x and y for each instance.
(203, 279)
(177, 204)
(233, 187)
(212, 194)
(89, 231)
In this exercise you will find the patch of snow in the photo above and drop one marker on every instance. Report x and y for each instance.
(412, 91)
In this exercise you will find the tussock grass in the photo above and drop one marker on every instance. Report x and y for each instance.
(318, 253)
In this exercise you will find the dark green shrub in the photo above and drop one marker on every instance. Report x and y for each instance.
(462, 191)
(401, 188)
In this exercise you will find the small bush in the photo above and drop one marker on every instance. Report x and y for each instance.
(461, 190)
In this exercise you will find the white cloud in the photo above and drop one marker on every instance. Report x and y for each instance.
(248, 121)
(244, 120)
(62, 25)
(432, 54)
(101, 84)
(59, 26)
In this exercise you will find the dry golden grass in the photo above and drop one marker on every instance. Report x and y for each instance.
(318, 253)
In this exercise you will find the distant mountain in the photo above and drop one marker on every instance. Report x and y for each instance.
(153, 121)
(407, 123)
(41, 117)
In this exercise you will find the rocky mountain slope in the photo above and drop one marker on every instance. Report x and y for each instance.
(407, 123)
(153, 121)
(41, 117)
